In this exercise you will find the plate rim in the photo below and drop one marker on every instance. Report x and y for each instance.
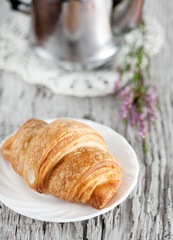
(86, 217)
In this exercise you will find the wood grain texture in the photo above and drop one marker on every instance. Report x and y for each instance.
(148, 212)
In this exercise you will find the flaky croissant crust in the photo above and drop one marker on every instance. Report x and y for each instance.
(65, 158)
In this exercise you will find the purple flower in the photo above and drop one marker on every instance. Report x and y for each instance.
(142, 128)
(134, 115)
(150, 100)
(128, 95)
(139, 102)
(124, 92)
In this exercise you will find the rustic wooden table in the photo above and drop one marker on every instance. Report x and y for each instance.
(148, 212)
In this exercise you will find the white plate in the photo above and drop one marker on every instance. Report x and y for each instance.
(15, 194)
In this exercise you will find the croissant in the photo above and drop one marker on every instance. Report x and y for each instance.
(66, 159)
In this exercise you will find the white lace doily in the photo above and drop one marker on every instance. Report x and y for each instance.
(16, 56)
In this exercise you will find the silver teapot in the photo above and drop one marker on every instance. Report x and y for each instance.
(79, 33)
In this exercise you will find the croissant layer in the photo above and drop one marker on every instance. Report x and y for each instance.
(66, 159)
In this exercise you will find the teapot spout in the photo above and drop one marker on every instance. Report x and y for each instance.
(126, 15)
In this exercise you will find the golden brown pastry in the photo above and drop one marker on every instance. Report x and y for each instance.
(65, 158)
